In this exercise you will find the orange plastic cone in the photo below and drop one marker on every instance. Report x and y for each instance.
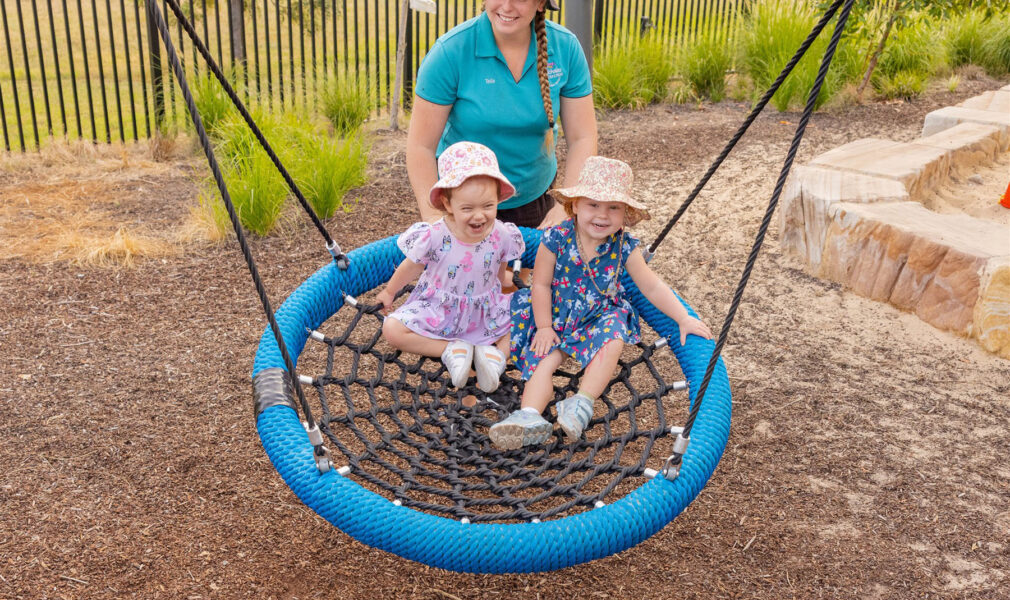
(1005, 201)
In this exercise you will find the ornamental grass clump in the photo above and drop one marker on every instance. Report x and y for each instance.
(631, 73)
(347, 104)
(772, 31)
(703, 66)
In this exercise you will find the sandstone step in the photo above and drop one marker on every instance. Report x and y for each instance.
(996, 101)
(803, 210)
(952, 271)
(918, 167)
(970, 144)
(949, 116)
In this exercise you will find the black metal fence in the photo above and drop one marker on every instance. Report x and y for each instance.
(84, 70)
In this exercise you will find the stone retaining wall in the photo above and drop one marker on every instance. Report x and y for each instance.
(854, 215)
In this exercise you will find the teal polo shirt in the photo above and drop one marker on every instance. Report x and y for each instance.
(465, 69)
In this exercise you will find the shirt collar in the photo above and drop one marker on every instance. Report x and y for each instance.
(486, 47)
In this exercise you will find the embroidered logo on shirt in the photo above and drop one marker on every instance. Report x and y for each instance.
(488, 80)
(554, 73)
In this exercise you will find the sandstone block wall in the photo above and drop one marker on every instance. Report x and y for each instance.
(853, 214)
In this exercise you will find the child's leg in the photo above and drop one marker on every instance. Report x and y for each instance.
(402, 338)
(539, 388)
(575, 412)
(600, 370)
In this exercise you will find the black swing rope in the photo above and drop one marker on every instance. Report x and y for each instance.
(675, 460)
(464, 459)
(154, 14)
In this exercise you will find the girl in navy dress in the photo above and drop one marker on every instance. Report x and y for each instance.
(576, 306)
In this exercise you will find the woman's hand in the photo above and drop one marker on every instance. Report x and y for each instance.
(554, 216)
(543, 341)
(695, 326)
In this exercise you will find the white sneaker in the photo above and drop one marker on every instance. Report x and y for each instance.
(521, 428)
(458, 359)
(574, 414)
(489, 362)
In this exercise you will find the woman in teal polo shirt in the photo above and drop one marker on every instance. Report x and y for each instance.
(502, 79)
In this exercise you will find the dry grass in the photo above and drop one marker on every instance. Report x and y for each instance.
(73, 202)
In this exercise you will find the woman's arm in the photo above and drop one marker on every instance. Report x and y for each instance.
(427, 122)
(578, 119)
(662, 297)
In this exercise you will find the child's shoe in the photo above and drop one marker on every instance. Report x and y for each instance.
(574, 414)
(489, 362)
(457, 358)
(521, 428)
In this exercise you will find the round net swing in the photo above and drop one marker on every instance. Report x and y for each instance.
(422, 479)
(415, 473)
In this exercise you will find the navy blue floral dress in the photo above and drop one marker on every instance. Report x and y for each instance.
(584, 318)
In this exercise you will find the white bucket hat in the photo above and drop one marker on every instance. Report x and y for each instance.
(604, 180)
(464, 160)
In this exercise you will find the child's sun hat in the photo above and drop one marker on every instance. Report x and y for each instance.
(604, 180)
(464, 160)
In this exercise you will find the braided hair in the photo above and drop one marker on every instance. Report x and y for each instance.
(540, 27)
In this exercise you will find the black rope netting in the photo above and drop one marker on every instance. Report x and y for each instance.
(409, 436)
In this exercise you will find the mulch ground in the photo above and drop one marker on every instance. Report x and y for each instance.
(867, 457)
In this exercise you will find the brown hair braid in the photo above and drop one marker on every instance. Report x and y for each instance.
(539, 25)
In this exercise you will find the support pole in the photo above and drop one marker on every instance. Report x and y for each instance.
(579, 19)
(401, 46)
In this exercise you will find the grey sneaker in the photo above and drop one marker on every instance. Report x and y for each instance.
(574, 414)
(521, 428)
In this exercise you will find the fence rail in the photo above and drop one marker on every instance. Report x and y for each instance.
(92, 70)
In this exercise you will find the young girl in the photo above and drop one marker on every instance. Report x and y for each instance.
(457, 310)
(576, 305)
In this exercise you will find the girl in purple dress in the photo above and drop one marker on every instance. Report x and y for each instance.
(457, 310)
(576, 306)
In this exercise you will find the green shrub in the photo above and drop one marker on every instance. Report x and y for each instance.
(655, 64)
(996, 46)
(772, 31)
(257, 190)
(913, 48)
(327, 168)
(903, 84)
(965, 37)
(703, 67)
(616, 81)
(631, 73)
(346, 103)
(212, 102)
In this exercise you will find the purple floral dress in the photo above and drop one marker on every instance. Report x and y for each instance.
(458, 296)
(584, 318)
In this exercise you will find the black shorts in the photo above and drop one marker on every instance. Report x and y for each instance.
(529, 214)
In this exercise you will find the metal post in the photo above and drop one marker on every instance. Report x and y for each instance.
(157, 82)
(237, 33)
(579, 19)
(408, 63)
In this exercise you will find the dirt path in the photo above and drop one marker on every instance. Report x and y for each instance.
(867, 457)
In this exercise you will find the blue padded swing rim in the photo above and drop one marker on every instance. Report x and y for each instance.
(484, 547)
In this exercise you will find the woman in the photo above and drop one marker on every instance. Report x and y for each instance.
(502, 79)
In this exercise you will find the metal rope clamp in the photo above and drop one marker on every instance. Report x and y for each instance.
(671, 469)
(338, 255)
(320, 452)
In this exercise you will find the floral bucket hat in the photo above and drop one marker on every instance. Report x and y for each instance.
(604, 180)
(464, 160)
